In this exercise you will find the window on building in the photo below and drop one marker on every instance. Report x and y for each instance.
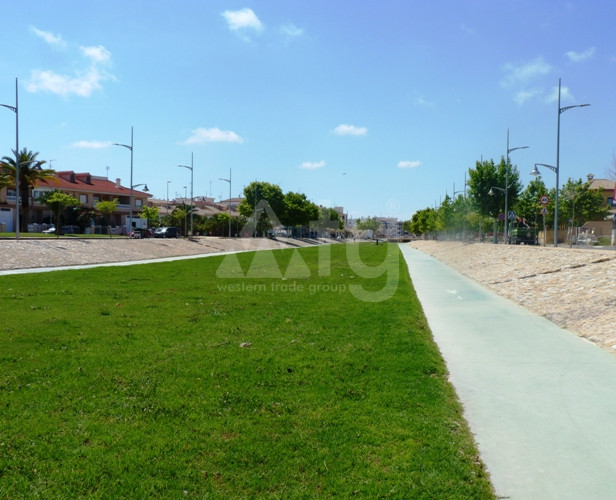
(83, 199)
(138, 202)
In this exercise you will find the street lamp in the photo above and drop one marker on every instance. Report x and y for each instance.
(229, 203)
(509, 150)
(560, 111)
(191, 191)
(130, 218)
(536, 172)
(15, 109)
(492, 193)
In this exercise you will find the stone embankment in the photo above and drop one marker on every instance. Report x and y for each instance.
(572, 287)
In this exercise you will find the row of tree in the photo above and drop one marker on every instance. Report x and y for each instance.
(483, 204)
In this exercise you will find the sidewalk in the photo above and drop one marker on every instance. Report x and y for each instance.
(540, 401)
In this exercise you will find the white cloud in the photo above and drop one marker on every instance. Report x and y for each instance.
(82, 85)
(91, 144)
(522, 74)
(98, 55)
(291, 31)
(409, 164)
(313, 165)
(50, 38)
(350, 130)
(581, 56)
(243, 19)
(203, 135)
(83, 82)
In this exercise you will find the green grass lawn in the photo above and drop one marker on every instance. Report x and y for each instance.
(166, 380)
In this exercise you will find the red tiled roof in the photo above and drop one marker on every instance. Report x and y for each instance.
(99, 185)
(602, 184)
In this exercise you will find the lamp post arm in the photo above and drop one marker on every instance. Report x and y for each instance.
(562, 110)
(552, 168)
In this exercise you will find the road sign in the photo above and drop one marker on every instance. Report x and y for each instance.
(544, 200)
(544, 211)
(501, 216)
(511, 215)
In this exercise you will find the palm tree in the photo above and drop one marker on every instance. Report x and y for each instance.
(30, 172)
(5, 178)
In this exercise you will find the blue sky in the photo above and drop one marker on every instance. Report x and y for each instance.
(380, 107)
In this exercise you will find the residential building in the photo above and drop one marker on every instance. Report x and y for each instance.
(88, 189)
(602, 227)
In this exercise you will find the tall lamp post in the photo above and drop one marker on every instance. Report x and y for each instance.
(15, 110)
(560, 111)
(229, 203)
(191, 191)
(129, 225)
(509, 150)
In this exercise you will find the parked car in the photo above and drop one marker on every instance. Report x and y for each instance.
(167, 232)
(587, 239)
(50, 230)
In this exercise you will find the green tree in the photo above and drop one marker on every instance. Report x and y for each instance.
(483, 177)
(423, 222)
(579, 203)
(179, 217)
(254, 194)
(5, 177)
(82, 216)
(218, 224)
(299, 211)
(151, 214)
(445, 215)
(107, 208)
(30, 173)
(461, 211)
(511, 177)
(369, 224)
(58, 202)
(529, 205)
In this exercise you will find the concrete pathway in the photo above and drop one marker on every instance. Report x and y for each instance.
(540, 401)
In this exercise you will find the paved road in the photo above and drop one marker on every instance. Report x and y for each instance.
(540, 401)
